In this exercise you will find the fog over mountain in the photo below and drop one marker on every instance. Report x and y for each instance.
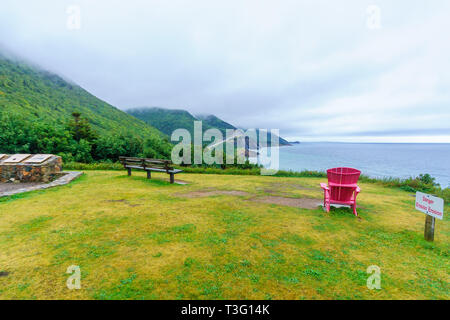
(316, 70)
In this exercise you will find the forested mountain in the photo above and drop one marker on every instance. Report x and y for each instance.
(214, 122)
(165, 120)
(42, 95)
(168, 120)
(31, 97)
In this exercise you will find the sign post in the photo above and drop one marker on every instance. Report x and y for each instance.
(429, 228)
(433, 207)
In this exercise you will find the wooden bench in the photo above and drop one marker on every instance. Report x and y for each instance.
(149, 165)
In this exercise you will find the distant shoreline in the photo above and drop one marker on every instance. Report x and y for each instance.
(350, 142)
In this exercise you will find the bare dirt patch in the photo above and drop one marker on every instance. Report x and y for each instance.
(4, 274)
(124, 201)
(283, 189)
(292, 186)
(305, 203)
(209, 193)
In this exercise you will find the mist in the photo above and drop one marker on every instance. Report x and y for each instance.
(317, 70)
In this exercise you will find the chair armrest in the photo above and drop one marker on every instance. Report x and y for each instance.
(324, 186)
(358, 190)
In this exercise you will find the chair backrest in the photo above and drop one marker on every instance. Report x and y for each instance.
(342, 182)
(343, 176)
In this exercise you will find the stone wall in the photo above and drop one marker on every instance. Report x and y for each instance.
(27, 172)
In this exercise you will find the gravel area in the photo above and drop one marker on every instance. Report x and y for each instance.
(9, 189)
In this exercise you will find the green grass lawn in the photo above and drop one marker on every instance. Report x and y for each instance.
(147, 239)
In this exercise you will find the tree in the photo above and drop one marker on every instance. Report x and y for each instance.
(80, 128)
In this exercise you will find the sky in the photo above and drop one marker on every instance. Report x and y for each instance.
(350, 70)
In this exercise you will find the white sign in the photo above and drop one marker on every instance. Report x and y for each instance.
(430, 205)
(39, 158)
(17, 158)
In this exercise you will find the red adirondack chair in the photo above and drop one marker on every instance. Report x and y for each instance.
(342, 188)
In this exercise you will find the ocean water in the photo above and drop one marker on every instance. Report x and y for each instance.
(373, 159)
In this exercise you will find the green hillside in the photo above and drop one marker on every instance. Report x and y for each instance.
(168, 120)
(214, 122)
(43, 96)
(36, 110)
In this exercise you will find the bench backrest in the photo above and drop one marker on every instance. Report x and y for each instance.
(145, 163)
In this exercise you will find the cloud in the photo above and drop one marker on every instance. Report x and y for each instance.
(309, 68)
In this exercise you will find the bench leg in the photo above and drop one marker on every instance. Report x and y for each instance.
(149, 174)
(129, 171)
(172, 178)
